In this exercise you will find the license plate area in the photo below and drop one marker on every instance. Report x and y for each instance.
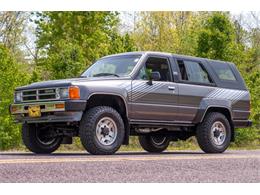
(34, 111)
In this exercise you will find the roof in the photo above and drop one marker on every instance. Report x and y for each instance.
(162, 53)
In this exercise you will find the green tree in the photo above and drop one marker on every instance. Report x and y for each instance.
(70, 41)
(216, 37)
(12, 32)
(10, 77)
(173, 32)
(67, 62)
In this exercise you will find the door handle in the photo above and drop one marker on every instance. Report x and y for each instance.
(171, 88)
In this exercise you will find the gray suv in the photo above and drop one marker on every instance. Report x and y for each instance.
(159, 97)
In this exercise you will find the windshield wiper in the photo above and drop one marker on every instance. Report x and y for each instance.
(81, 76)
(105, 74)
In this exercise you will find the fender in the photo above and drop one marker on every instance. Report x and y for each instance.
(207, 103)
(112, 94)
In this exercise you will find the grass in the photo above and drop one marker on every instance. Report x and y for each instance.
(190, 144)
(134, 145)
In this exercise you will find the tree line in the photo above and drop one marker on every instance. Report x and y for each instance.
(54, 45)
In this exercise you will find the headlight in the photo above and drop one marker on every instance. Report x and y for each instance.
(18, 96)
(72, 92)
(63, 93)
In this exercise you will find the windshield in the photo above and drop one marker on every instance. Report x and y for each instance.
(113, 66)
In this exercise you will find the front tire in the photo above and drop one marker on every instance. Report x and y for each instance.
(214, 133)
(102, 130)
(154, 143)
(34, 140)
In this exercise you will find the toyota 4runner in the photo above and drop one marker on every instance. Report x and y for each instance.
(159, 97)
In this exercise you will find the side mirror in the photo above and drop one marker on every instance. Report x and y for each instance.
(156, 76)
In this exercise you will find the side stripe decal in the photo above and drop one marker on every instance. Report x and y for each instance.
(141, 89)
(230, 94)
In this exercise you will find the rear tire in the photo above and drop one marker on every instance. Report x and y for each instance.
(101, 130)
(214, 133)
(154, 143)
(35, 142)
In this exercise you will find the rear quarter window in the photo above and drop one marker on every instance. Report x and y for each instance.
(223, 71)
(194, 72)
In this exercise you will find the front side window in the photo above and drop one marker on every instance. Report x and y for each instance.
(193, 72)
(155, 64)
(112, 66)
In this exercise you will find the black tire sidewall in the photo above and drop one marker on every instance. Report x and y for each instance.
(203, 133)
(30, 140)
(120, 134)
(87, 131)
(163, 145)
(149, 145)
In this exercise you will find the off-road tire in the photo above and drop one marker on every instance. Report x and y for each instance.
(87, 130)
(149, 145)
(204, 137)
(31, 141)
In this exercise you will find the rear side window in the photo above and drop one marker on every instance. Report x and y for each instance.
(224, 72)
(193, 72)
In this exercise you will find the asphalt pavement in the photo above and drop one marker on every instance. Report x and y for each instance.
(180, 166)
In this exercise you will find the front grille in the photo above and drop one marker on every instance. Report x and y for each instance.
(40, 94)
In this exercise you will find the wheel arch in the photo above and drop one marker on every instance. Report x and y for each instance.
(117, 97)
(222, 109)
(116, 101)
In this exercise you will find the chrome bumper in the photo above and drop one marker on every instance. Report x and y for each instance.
(55, 117)
(52, 111)
(45, 107)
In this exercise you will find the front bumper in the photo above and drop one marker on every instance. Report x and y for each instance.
(52, 111)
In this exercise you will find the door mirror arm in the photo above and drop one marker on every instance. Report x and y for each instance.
(156, 76)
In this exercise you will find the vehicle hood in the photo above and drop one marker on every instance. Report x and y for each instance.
(73, 81)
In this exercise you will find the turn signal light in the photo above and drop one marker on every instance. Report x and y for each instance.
(74, 92)
(59, 106)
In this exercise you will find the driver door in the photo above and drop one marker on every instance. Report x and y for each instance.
(157, 101)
